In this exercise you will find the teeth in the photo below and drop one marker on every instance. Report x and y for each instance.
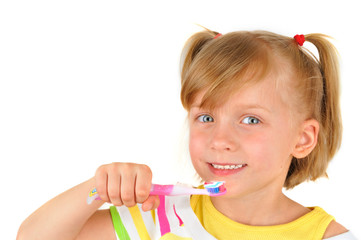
(227, 166)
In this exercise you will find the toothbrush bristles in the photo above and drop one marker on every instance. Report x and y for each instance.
(215, 188)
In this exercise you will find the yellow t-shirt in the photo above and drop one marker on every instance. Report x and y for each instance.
(310, 226)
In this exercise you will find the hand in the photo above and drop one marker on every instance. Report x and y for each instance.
(126, 184)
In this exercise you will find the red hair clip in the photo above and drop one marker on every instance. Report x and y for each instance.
(300, 39)
(218, 35)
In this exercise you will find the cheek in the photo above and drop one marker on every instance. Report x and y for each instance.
(267, 150)
(196, 142)
(196, 150)
(256, 142)
(260, 147)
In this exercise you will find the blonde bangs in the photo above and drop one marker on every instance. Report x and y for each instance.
(222, 67)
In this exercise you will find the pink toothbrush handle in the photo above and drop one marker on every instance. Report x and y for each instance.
(161, 189)
(211, 189)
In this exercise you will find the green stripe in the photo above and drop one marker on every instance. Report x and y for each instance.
(118, 225)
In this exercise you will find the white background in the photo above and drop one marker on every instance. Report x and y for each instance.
(84, 83)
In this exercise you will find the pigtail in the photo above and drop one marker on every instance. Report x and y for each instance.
(325, 105)
(330, 107)
(192, 47)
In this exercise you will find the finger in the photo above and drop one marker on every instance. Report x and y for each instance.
(127, 189)
(101, 184)
(143, 184)
(151, 203)
(114, 183)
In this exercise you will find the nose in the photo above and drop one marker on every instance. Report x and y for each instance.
(224, 138)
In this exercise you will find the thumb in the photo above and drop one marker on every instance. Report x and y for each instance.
(151, 203)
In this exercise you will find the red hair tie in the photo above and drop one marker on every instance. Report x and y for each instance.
(218, 35)
(300, 39)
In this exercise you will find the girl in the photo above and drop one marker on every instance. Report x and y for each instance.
(263, 114)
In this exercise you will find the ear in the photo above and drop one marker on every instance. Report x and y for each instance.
(307, 138)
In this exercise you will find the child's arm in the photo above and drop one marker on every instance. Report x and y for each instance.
(68, 216)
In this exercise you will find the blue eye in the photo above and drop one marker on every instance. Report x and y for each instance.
(205, 118)
(251, 120)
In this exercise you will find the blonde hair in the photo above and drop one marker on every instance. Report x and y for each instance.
(220, 66)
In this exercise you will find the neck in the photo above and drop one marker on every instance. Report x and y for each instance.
(260, 208)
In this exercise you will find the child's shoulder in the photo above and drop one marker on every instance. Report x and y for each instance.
(334, 229)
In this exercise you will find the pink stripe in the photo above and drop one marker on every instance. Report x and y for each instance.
(162, 217)
(180, 220)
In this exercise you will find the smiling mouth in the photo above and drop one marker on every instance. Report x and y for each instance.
(227, 167)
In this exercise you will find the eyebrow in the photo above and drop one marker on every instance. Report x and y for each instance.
(249, 106)
(256, 106)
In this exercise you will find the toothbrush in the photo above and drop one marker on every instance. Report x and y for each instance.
(214, 188)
